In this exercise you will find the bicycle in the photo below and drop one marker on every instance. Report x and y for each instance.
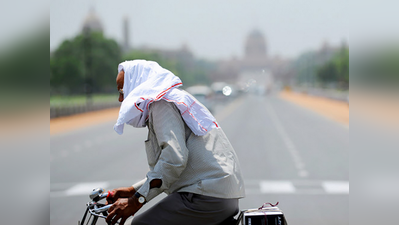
(268, 213)
(95, 208)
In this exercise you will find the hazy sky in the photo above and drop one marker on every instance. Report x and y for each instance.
(212, 29)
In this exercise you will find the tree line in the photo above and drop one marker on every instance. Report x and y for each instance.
(336, 70)
(326, 68)
(376, 67)
(88, 63)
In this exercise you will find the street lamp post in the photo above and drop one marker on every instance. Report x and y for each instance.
(88, 82)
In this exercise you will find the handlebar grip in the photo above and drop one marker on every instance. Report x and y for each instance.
(110, 194)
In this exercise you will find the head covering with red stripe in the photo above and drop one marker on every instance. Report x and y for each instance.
(146, 82)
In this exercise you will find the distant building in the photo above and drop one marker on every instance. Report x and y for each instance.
(254, 67)
(182, 54)
(255, 58)
(255, 46)
(92, 22)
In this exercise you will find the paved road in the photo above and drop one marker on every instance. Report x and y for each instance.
(287, 154)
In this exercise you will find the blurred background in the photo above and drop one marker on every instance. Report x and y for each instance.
(274, 73)
(257, 46)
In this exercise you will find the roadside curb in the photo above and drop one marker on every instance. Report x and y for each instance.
(334, 109)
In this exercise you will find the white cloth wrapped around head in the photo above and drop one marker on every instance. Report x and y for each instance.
(146, 82)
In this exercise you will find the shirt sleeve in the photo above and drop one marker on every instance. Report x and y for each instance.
(138, 185)
(169, 130)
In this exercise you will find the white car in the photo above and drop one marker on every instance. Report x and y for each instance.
(203, 94)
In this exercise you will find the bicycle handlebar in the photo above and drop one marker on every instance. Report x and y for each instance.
(102, 209)
(96, 209)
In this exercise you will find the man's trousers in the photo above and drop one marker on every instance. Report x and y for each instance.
(188, 209)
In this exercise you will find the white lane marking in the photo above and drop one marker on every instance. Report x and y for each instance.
(292, 149)
(85, 188)
(276, 187)
(336, 187)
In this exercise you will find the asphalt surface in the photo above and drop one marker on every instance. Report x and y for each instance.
(288, 154)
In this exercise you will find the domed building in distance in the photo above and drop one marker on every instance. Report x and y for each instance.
(255, 45)
(92, 22)
(255, 56)
(254, 66)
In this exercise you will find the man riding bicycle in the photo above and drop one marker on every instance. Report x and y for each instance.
(189, 156)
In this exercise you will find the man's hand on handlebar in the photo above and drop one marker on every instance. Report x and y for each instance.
(122, 209)
(122, 192)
